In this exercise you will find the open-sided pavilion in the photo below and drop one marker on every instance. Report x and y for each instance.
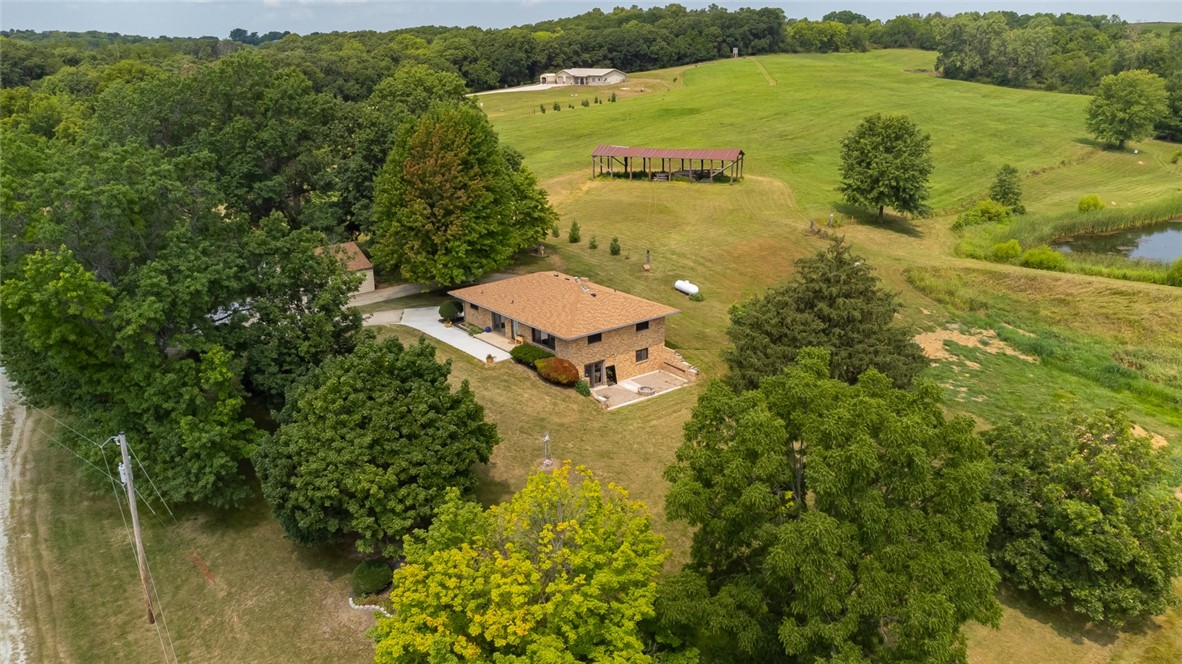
(666, 163)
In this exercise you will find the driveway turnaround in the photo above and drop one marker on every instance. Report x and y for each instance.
(426, 320)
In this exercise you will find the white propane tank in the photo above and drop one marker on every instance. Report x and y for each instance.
(685, 287)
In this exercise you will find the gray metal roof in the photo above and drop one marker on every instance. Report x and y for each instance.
(586, 71)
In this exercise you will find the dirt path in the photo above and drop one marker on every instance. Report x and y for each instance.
(12, 415)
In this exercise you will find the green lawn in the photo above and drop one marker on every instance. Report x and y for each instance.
(734, 241)
(791, 131)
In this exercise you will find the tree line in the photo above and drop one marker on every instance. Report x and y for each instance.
(1063, 52)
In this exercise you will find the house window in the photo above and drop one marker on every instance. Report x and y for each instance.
(542, 339)
(642, 355)
(594, 339)
(641, 327)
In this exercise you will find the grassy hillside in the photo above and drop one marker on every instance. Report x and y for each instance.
(789, 112)
(1077, 341)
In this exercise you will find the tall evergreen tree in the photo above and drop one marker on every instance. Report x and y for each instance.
(834, 302)
(1007, 189)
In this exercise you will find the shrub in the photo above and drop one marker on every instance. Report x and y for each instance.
(370, 577)
(586, 103)
(593, 244)
(612, 98)
(557, 106)
(1005, 252)
(697, 297)
(985, 212)
(543, 107)
(450, 310)
(573, 237)
(554, 230)
(1174, 276)
(528, 354)
(558, 371)
(582, 387)
(1177, 157)
(615, 246)
(1043, 258)
(1090, 202)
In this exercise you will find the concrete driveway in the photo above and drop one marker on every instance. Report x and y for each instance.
(426, 320)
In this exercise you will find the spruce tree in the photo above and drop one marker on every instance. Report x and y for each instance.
(834, 302)
(1007, 189)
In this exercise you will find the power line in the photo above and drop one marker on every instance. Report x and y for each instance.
(139, 556)
(152, 484)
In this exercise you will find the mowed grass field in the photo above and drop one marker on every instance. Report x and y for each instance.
(280, 602)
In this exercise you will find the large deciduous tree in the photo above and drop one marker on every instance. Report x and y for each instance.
(834, 302)
(562, 572)
(1086, 518)
(369, 443)
(886, 161)
(1127, 106)
(134, 305)
(834, 523)
(448, 206)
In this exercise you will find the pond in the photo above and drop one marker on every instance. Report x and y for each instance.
(1159, 242)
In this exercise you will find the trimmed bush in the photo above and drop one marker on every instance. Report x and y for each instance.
(528, 354)
(543, 107)
(1043, 258)
(1005, 252)
(593, 244)
(615, 246)
(697, 297)
(582, 387)
(371, 577)
(450, 310)
(1090, 203)
(986, 212)
(574, 236)
(586, 103)
(554, 230)
(558, 371)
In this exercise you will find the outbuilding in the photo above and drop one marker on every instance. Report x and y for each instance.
(355, 261)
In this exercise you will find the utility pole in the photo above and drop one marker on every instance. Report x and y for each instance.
(129, 484)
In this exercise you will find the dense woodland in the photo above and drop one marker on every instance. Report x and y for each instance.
(163, 200)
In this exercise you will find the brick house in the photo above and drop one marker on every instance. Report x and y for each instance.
(611, 336)
(355, 261)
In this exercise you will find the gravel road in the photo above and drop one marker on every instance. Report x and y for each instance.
(12, 648)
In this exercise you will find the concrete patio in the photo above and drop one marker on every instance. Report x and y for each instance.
(637, 389)
(426, 320)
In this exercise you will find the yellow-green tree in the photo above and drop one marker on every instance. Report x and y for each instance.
(562, 572)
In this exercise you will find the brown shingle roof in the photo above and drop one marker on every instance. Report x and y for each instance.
(562, 306)
(355, 260)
